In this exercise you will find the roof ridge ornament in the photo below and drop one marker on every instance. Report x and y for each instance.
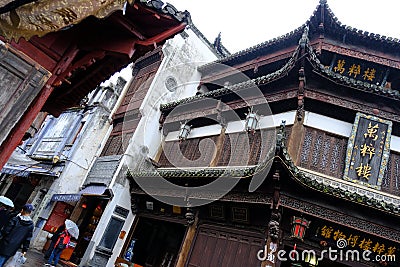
(304, 38)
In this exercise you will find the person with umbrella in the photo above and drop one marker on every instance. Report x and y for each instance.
(54, 240)
(6, 205)
(71, 229)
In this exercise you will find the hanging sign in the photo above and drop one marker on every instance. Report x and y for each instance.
(368, 150)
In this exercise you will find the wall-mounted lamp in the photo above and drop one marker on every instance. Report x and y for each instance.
(251, 120)
(56, 159)
(311, 259)
(184, 131)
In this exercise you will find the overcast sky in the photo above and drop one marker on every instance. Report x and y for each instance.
(247, 23)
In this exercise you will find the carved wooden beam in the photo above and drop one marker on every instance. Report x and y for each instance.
(347, 103)
(128, 25)
(162, 36)
(84, 62)
(367, 55)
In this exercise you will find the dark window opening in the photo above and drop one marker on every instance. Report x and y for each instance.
(155, 243)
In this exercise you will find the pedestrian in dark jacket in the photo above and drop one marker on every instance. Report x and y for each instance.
(17, 232)
(5, 215)
(54, 239)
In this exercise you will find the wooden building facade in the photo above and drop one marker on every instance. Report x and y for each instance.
(310, 143)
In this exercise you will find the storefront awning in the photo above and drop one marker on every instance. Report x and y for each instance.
(24, 171)
(21, 165)
(94, 190)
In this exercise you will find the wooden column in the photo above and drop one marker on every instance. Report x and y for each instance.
(187, 243)
(272, 243)
(219, 147)
(296, 140)
(297, 134)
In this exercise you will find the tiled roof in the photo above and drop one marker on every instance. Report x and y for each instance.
(293, 34)
(317, 66)
(315, 19)
(239, 86)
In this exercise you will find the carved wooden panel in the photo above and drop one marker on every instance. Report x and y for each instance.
(243, 148)
(125, 126)
(238, 149)
(391, 180)
(194, 152)
(323, 152)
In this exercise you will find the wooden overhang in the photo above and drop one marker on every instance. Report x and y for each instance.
(81, 56)
(301, 189)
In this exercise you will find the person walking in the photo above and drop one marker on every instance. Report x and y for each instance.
(54, 239)
(18, 231)
(6, 207)
(61, 244)
(5, 215)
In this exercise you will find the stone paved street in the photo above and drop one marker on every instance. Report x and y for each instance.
(35, 258)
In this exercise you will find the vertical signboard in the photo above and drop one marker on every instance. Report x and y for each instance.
(368, 151)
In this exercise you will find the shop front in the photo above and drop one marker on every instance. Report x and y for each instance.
(156, 235)
(85, 210)
(154, 243)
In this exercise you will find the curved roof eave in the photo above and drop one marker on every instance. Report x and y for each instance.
(348, 81)
(315, 19)
(265, 79)
(360, 33)
(295, 35)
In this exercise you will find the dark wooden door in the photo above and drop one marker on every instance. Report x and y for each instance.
(220, 247)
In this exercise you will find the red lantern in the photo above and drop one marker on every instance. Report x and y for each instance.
(299, 226)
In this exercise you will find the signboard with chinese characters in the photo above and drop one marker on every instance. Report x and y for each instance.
(356, 240)
(368, 151)
(358, 70)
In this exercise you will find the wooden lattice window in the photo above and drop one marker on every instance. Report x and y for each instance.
(323, 152)
(193, 152)
(243, 148)
(391, 180)
(113, 146)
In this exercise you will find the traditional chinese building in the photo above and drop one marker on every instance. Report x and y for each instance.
(290, 148)
(104, 205)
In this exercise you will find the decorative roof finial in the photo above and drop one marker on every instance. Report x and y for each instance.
(217, 41)
(304, 38)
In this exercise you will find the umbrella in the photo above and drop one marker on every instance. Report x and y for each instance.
(6, 201)
(72, 228)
